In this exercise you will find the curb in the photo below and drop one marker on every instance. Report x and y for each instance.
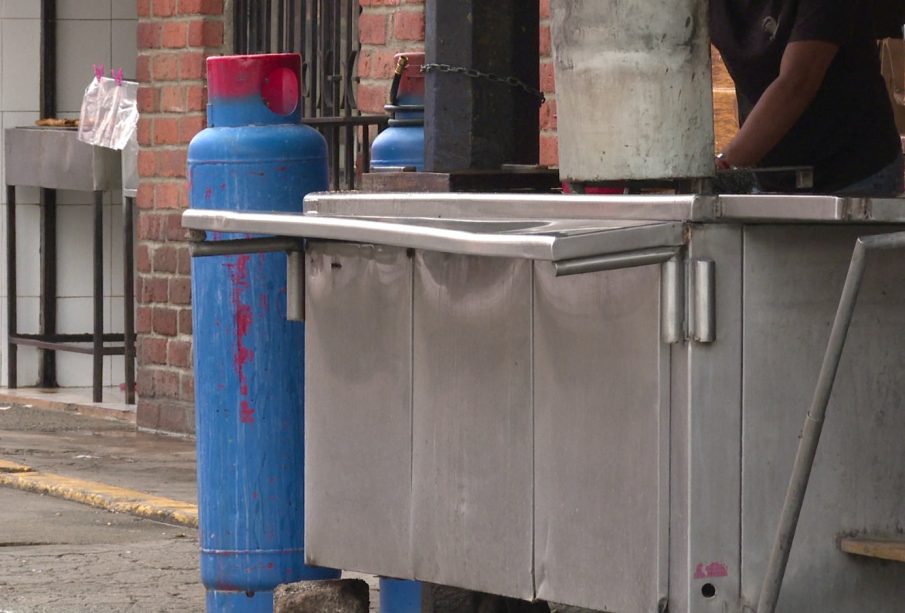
(109, 411)
(100, 495)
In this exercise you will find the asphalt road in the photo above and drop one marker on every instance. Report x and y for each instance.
(60, 556)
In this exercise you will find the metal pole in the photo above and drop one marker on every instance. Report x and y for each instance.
(11, 319)
(129, 299)
(98, 336)
(241, 246)
(813, 425)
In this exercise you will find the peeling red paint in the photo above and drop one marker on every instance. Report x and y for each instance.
(246, 413)
(238, 273)
(714, 569)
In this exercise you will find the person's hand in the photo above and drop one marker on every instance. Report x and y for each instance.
(721, 162)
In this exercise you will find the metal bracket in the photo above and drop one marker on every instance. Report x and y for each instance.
(702, 301)
(201, 247)
(295, 262)
(687, 298)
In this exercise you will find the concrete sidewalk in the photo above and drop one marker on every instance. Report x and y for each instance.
(105, 463)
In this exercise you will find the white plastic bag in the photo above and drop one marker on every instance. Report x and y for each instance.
(109, 114)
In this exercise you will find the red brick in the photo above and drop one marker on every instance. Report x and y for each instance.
(168, 195)
(145, 199)
(408, 25)
(548, 115)
(192, 65)
(372, 29)
(170, 162)
(376, 64)
(172, 99)
(200, 7)
(184, 264)
(174, 34)
(190, 125)
(148, 99)
(545, 9)
(547, 81)
(146, 163)
(179, 354)
(549, 153)
(148, 35)
(196, 98)
(213, 33)
(165, 321)
(185, 321)
(181, 291)
(371, 98)
(166, 383)
(145, 388)
(144, 8)
(142, 258)
(545, 44)
(150, 227)
(166, 131)
(144, 131)
(187, 386)
(164, 8)
(152, 350)
(205, 33)
(156, 289)
(143, 68)
(164, 259)
(175, 232)
(165, 67)
(143, 319)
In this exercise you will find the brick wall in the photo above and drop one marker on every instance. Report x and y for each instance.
(174, 39)
(549, 155)
(385, 27)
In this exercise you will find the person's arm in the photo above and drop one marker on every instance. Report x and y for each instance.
(801, 73)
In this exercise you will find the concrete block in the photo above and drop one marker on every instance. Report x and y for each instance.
(445, 599)
(331, 596)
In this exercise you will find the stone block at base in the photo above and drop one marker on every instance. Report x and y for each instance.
(331, 596)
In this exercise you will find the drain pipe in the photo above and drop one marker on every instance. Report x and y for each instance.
(813, 425)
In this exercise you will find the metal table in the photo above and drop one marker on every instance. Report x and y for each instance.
(593, 400)
(54, 159)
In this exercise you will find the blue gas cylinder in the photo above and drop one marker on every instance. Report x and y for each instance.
(401, 145)
(249, 360)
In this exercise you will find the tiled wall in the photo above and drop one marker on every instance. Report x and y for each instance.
(88, 32)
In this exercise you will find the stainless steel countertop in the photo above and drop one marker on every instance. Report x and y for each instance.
(540, 239)
(55, 158)
(537, 227)
(759, 208)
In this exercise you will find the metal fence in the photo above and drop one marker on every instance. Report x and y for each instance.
(325, 32)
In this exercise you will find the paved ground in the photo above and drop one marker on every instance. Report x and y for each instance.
(58, 556)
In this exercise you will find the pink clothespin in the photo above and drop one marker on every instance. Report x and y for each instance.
(117, 74)
(98, 71)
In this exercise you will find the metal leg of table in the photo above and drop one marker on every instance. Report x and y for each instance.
(129, 299)
(98, 340)
(11, 350)
(48, 365)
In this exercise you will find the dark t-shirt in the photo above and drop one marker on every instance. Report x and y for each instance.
(848, 132)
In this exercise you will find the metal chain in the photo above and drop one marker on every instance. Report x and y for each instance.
(473, 73)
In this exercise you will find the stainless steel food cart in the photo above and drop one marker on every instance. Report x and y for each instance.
(595, 400)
